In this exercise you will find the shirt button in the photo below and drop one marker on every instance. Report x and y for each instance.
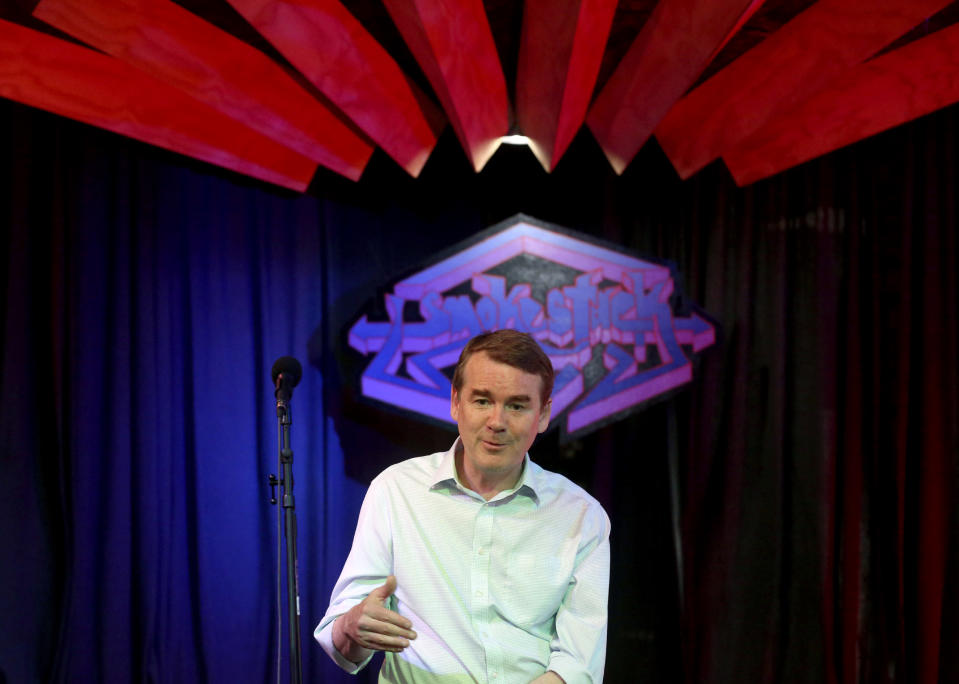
(482, 551)
(478, 594)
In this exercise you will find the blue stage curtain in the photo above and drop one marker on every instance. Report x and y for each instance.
(144, 306)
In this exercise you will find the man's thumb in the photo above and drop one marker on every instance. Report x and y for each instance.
(385, 591)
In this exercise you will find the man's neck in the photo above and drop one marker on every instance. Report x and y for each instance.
(487, 485)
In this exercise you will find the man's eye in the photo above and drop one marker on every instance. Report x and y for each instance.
(516, 407)
(481, 402)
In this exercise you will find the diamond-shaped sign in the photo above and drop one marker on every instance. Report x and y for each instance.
(606, 319)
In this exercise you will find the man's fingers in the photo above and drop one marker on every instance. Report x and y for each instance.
(374, 606)
(379, 641)
(382, 621)
(386, 590)
(383, 614)
(372, 625)
(383, 635)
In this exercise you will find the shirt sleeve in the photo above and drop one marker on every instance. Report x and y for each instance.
(368, 565)
(578, 651)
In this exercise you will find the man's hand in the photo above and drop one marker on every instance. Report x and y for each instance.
(548, 677)
(370, 625)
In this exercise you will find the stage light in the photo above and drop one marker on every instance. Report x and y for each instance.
(514, 139)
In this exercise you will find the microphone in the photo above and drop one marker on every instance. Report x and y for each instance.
(286, 373)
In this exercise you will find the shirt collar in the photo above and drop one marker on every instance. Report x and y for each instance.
(446, 476)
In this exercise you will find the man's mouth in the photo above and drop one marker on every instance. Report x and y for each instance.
(494, 445)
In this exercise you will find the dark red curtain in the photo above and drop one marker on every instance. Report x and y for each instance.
(819, 518)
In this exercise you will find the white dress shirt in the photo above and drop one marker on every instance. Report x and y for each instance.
(497, 591)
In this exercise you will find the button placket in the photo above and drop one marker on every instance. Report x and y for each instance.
(479, 562)
(480, 589)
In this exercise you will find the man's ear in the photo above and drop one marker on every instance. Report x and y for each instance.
(454, 408)
(544, 415)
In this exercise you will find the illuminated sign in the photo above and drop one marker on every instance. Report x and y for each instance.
(609, 321)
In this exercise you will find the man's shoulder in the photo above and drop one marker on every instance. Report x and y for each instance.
(561, 499)
(420, 469)
(551, 485)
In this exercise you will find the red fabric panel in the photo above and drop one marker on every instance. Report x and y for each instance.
(892, 89)
(676, 44)
(66, 79)
(452, 42)
(177, 47)
(560, 54)
(330, 47)
(782, 71)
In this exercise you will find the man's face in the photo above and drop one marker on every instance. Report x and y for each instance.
(499, 413)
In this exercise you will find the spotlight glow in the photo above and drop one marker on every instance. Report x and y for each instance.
(514, 140)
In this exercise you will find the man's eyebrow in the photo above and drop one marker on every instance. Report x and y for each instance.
(477, 392)
(519, 397)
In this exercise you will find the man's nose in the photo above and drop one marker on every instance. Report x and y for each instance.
(497, 418)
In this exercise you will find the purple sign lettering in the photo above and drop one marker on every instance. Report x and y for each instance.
(605, 318)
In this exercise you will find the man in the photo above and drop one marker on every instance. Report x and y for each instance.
(475, 564)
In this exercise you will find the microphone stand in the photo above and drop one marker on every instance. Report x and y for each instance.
(289, 517)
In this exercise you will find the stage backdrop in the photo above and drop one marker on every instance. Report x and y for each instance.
(146, 296)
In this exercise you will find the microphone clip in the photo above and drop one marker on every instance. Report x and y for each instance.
(274, 483)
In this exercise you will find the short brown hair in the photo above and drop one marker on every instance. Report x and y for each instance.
(514, 348)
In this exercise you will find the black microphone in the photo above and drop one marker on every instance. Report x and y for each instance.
(286, 373)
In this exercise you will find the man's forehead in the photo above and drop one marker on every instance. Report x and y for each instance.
(483, 373)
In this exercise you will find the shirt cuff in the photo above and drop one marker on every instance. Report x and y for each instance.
(569, 669)
(324, 635)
